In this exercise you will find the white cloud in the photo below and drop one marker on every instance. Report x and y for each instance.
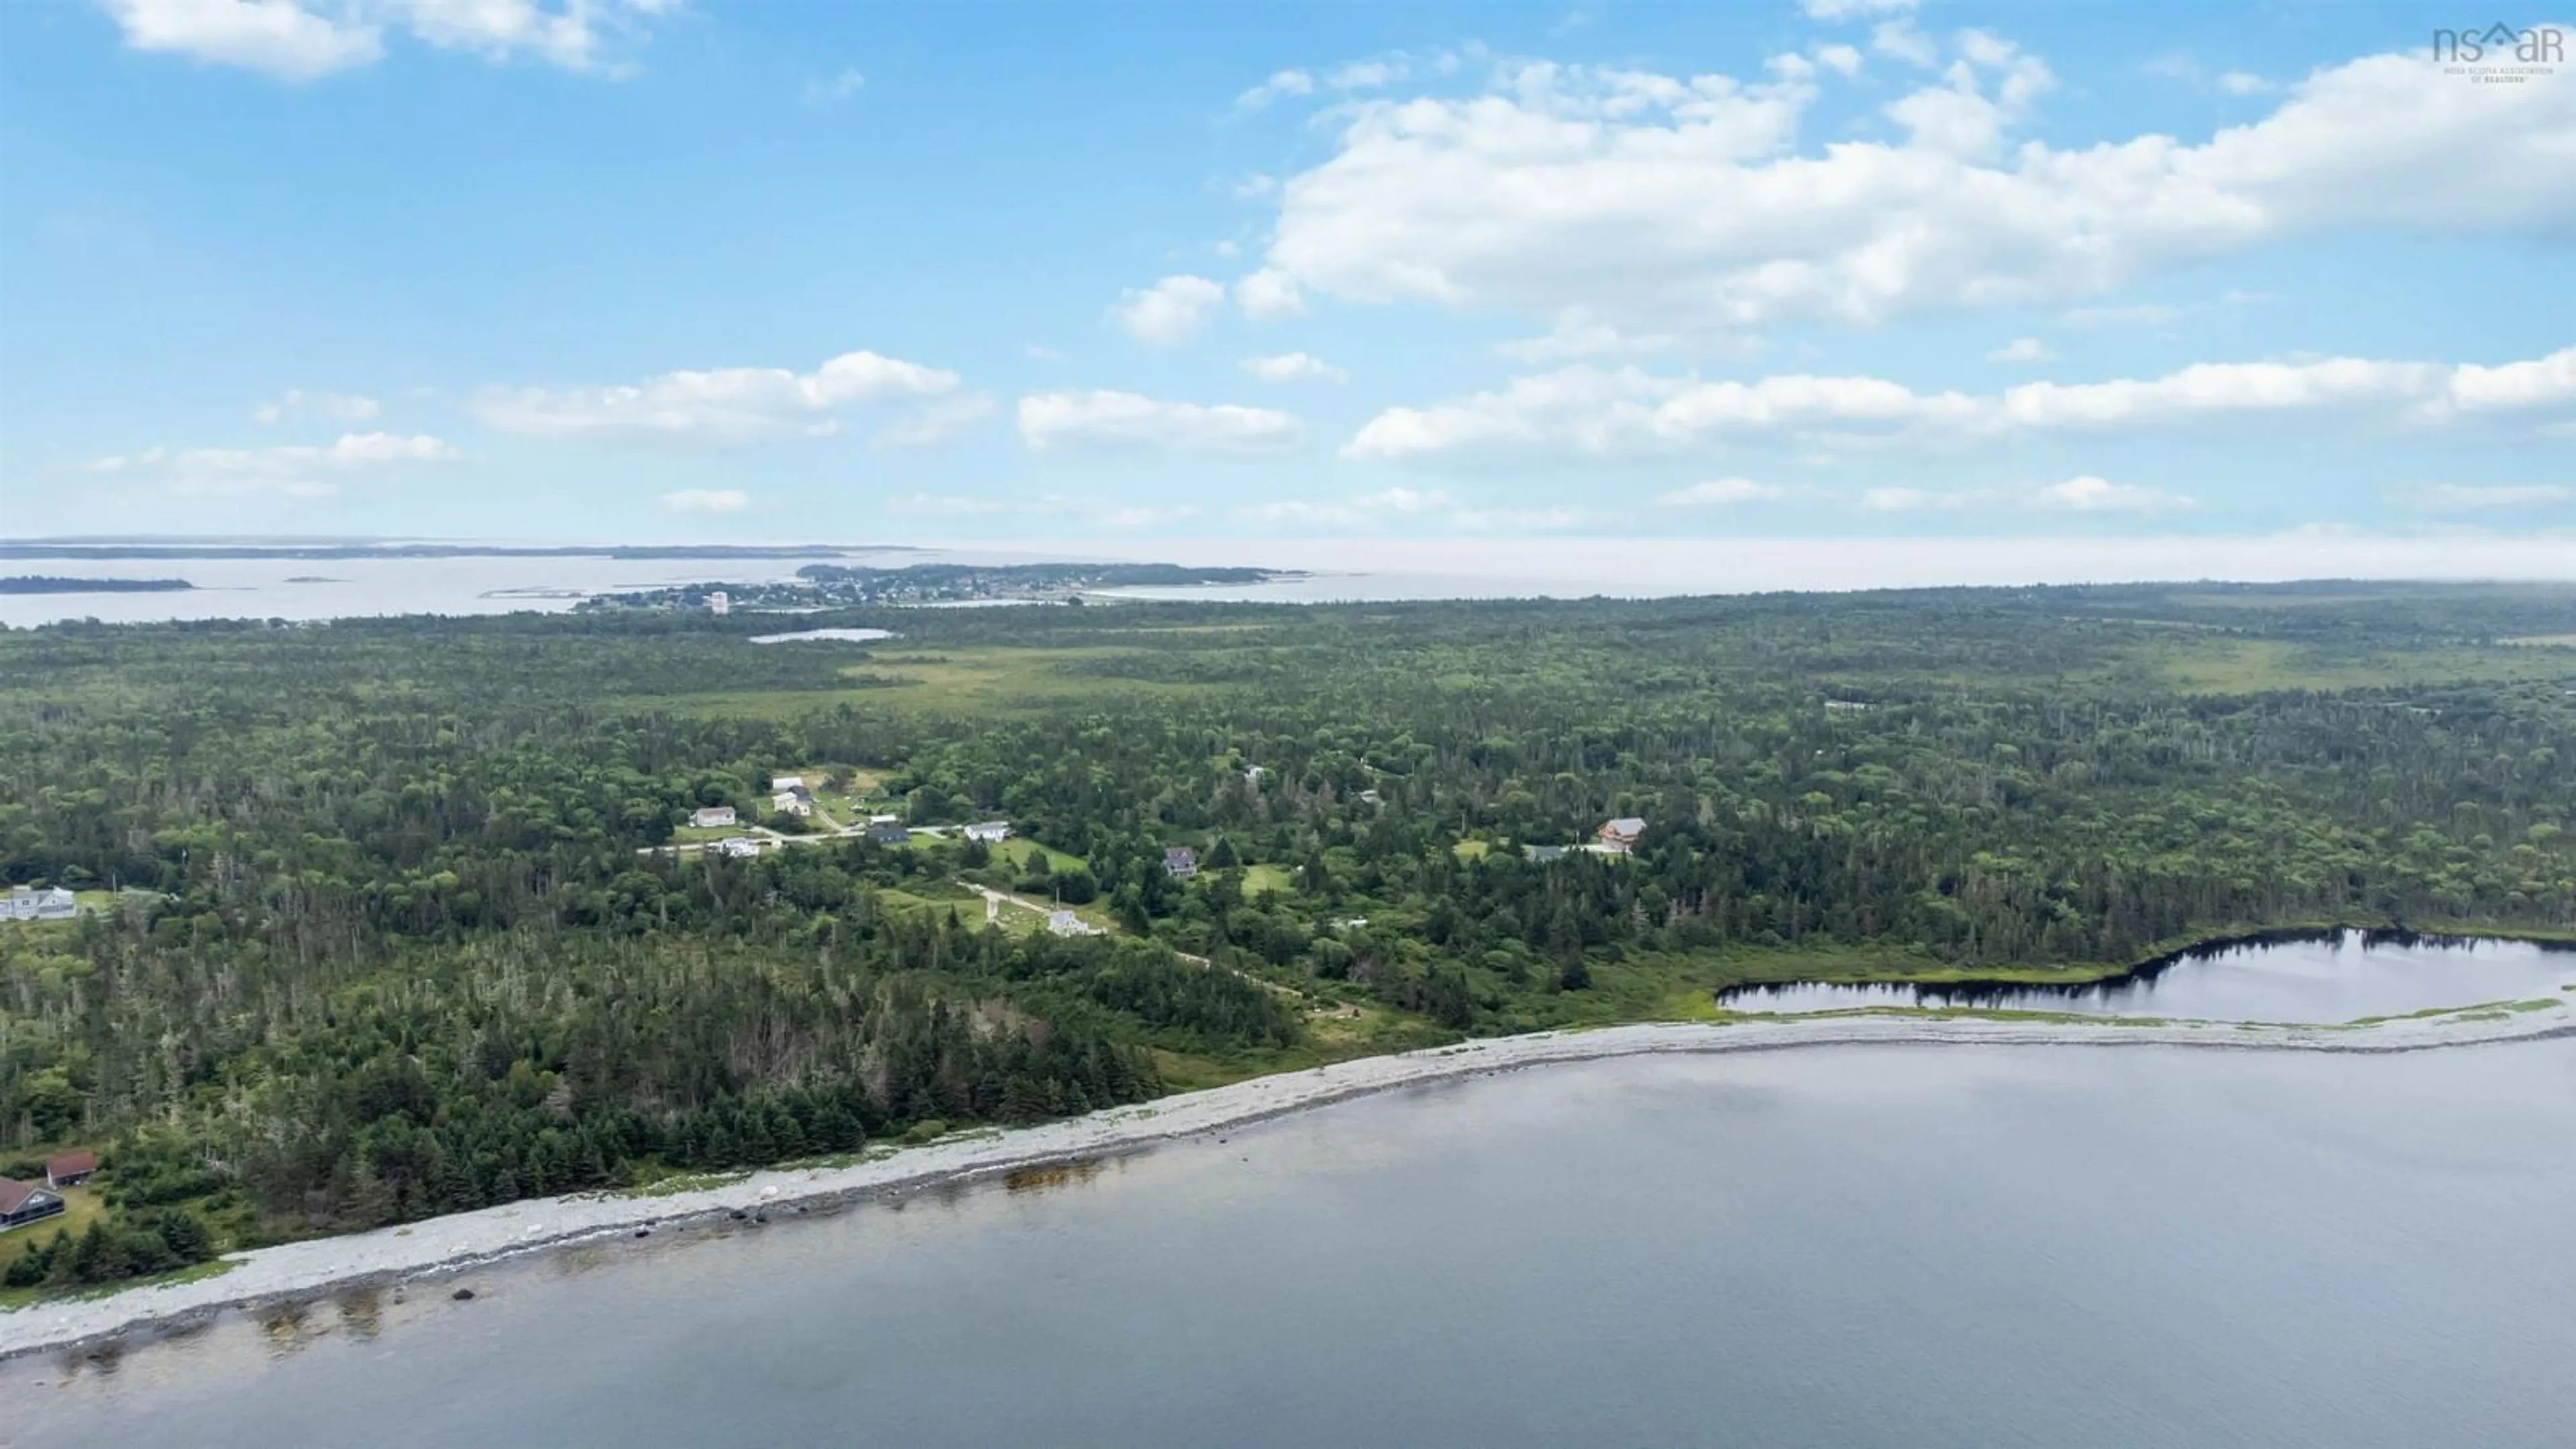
(1576, 333)
(945, 505)
(1366, 511)
(1363, 75)
(1103, 421)
(1120, 516)
(303, 40)
(572, 36)
(1171, 311)
(1721, 493)
(1958, 118)
(720, 406)
(1921, 500)
(2140, 314)
(1833, 10)
(1141, 516)
(298, 470)
(1899, 38)
(843, 85)
(295, 402)
(1269, 293)
(2022, 349)
(1840, 59)
(1414, 508)
(1593, 412)
(277, 37)
(1281, 84)
(706, 500)
(2086, 494)
(1293, 367)
(1660, 203)
(2089, 494)
(935, 422)
(2244, 83)
(2468, 498)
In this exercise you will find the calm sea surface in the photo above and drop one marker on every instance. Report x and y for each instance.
(2336, 976)
(1856, 1246)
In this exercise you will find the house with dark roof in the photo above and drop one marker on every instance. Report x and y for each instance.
(22, 1203)
(1180, 862)
(887, 830)
(70, 1169)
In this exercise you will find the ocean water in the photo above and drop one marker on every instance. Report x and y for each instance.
(1987, 1246)
(1345, 569)
(2329, 976)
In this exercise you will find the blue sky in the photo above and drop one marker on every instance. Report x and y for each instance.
(685, 269)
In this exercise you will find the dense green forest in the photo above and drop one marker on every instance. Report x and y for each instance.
(395, 917)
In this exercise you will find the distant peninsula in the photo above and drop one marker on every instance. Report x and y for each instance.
(830, 586)
(51, 584)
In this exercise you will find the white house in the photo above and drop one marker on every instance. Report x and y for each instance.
(707, 817)
(718, 604)
(786, 784)
(787, 802)
(26, 903)
(738, 846)
(991, 832)
(1066, 923)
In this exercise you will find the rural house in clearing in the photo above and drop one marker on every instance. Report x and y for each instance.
(887, 830)
(22, 1203)
(1180, 862)
(70, 1169)
(707, 817)
(1621, 834)
(991, 832)
(26, 903)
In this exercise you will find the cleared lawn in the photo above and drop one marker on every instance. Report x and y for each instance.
(1018, 850)
(1261, 880)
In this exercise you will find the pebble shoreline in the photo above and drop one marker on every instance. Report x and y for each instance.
(444, 1247)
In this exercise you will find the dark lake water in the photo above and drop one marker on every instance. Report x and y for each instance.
(1849, 1246)
(2329, 977)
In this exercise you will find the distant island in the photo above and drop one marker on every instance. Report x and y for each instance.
(50, 584)
(826, 586)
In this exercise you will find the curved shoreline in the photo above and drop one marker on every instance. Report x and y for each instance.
(460, 1242)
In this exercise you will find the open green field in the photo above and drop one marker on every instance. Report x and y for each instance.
(1262, 880)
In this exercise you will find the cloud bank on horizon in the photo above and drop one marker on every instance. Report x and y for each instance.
(558, 267)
